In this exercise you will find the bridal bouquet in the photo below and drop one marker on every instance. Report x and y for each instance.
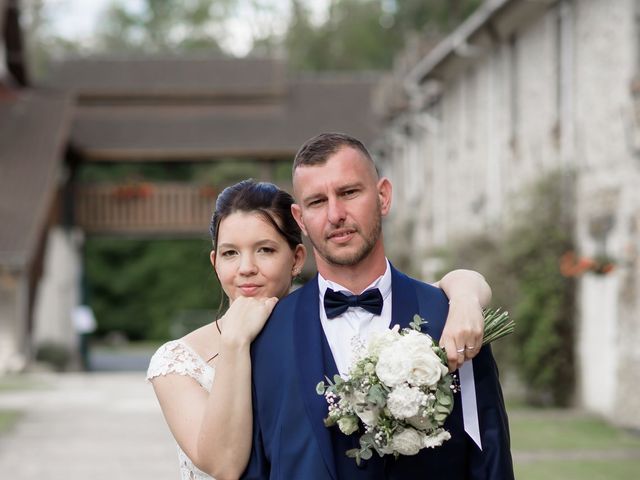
(399, 388)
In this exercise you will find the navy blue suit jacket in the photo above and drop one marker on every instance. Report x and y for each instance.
(290, 440)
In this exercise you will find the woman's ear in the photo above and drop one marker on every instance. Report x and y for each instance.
(212, 258)
(299, 256)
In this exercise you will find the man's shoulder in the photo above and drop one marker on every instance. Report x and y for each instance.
(282, 315)
(420, 286)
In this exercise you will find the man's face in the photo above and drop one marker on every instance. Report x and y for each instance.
(340, 206)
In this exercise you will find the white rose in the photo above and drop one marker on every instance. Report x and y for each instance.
(436, 439)
(393, 365)
(382, 339)
(407, 442)
(404, 401)
(426, 367)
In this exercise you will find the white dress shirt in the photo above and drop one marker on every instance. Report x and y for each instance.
(355, 324)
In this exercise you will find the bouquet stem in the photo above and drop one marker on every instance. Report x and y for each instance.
(497, 324)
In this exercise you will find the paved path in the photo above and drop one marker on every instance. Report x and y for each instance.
(87, 426)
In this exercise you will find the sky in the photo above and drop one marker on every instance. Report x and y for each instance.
(77, 19)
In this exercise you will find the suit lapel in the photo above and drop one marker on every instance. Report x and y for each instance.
(308, 336)
(407, 303)
(405, 300)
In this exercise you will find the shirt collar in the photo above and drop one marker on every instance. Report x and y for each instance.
(383, 283)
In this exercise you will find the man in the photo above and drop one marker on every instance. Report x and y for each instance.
(340, 205)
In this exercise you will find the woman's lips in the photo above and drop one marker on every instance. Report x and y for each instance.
(249, 289)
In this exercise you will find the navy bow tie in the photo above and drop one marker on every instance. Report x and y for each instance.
(336, 303)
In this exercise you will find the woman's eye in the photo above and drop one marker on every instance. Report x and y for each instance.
(228, 253)
(266, 250)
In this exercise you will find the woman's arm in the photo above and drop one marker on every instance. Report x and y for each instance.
(468, 294)
(214, 430)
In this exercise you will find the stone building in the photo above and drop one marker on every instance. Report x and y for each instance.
(522, 88)
(33, 129)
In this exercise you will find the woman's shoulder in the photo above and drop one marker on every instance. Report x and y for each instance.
(176, 357)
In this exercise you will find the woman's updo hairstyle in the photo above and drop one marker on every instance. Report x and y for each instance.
(263, 198)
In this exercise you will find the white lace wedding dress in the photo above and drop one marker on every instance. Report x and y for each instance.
(176, 357)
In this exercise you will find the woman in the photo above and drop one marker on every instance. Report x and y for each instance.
(257, 251)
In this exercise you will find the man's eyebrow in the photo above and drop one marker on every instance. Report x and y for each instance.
(350, 186)
(312, 197)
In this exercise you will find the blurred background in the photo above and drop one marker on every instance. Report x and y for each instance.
(510, 130)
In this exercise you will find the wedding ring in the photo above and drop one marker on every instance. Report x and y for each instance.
(469, 348)
(460, 350)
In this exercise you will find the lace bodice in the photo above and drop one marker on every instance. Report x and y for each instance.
(176, 357)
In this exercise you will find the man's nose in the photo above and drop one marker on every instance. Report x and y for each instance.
(337, 213)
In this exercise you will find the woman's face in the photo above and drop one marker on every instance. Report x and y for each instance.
(252, 259)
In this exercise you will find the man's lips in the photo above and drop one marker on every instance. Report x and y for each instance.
(342, 235)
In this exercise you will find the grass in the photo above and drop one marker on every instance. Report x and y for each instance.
(19, 382)
(7, 419)
(540, 438)
(579, 470)
(556, 432)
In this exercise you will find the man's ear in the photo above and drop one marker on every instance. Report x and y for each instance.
(384, 195)
(296, 211)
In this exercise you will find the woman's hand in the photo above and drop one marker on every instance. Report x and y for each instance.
(462, 334)
(468, 294)
(244, 319)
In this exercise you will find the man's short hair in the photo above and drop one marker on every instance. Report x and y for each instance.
(317, 150)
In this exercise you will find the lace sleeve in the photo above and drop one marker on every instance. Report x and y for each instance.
(176, 358)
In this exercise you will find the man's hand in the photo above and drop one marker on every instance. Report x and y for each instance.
(462, 334)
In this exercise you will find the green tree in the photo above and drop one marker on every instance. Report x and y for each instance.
(139, 287)
(165, 26)
(365, 34)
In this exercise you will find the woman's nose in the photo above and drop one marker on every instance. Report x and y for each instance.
(247, 265)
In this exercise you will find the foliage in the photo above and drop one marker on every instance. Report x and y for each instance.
(139, 286)
(365, 34)
(353, 35)
(521, 264)
(164, 26)
(220, 173)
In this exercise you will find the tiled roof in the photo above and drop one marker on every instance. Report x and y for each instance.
(187, 132)
(33, 129)
(186, 109)
(146, 76)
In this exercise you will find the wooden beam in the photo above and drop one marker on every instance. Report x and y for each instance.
(12, 34)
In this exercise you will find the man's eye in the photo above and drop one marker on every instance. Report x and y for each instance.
(349, 193)
(315, 203)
